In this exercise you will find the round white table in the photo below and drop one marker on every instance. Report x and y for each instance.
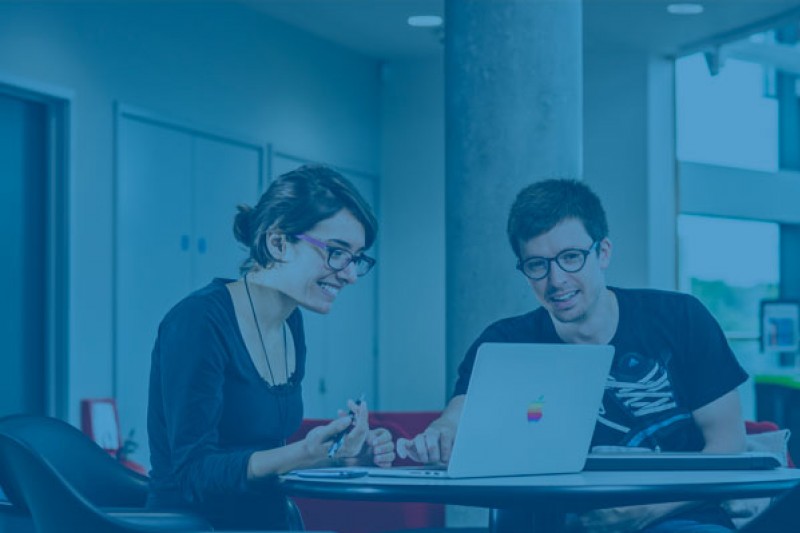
(546, 499)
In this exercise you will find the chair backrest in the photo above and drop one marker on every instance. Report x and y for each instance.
(12, 519)
(53, 504)
(85, 467)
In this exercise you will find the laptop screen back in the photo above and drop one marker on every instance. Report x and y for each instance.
(530, 409)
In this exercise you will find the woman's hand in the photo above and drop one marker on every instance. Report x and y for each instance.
(319, 439)
(360, 445)
(355, 437)
(378, 449)
(351, 429)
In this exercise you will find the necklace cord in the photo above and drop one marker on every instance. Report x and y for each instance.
(283, 406)
(261, 339)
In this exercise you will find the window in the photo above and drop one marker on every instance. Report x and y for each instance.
(731, 265)
(727, 132)
(725, 119)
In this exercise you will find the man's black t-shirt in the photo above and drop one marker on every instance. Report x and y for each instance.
(671, 358)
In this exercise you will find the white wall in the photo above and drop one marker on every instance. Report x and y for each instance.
(213, 64)
(412, 261)
(662, 193)
(615, 161)
(628, 161)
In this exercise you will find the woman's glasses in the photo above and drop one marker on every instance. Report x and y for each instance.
(339, 258)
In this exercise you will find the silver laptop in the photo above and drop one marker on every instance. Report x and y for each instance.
(531, 409)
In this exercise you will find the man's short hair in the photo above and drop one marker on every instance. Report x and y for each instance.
(543, 205)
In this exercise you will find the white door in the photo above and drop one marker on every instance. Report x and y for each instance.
(177, 193)
(153, 256)
(226, 175)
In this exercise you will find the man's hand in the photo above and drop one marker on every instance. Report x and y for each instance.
(433, 445)
(628, 519)
(617, 519)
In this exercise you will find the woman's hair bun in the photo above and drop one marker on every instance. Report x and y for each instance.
(242, 225)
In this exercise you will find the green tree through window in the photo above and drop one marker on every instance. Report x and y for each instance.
(730, 265)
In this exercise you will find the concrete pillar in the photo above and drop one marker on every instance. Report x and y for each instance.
(513, 108)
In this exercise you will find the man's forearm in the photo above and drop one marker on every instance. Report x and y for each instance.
(451, 415)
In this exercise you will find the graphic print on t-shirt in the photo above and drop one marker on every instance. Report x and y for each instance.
(639, 406)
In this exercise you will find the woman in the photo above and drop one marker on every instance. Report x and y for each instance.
(229, 359)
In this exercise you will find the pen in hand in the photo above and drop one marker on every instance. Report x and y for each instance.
(338, 440)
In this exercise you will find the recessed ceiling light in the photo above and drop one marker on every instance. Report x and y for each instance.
(685, 9)
(425, 21)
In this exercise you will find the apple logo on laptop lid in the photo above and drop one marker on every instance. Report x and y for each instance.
(535, 410)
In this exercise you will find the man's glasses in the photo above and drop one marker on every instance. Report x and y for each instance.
(339, 258)
(570, 260)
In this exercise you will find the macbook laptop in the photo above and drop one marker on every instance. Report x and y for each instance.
(530, 409)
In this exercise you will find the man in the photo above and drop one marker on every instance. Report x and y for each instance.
(673, 381)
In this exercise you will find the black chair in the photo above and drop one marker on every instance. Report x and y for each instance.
(12, 519)
(56, 507)
(782, 517)
(87, 472)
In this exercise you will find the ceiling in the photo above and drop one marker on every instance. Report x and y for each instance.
(378, 28)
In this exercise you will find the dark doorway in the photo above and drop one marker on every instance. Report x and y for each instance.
(30, 373)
